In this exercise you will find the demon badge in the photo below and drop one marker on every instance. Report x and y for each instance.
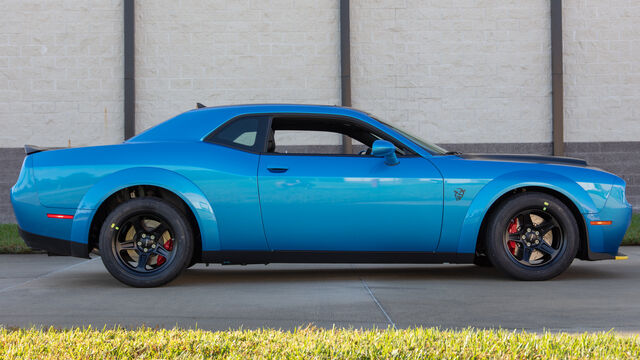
(458, 193)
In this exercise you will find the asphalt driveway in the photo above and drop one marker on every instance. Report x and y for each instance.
(63, 292)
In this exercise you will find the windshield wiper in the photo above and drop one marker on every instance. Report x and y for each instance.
(452, 153)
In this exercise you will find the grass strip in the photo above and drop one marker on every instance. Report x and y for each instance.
(312, 343)
(11, 243)
(632, 237)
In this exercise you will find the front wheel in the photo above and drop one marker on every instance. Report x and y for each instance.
(146, 242)
(532, 236)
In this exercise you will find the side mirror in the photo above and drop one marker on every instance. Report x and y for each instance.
(385, 149)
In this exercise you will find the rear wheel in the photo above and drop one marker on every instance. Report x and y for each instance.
(146, 242)
(532, 236)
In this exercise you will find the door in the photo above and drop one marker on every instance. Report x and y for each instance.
(335, 202)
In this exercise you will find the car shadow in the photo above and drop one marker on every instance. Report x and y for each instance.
(429, 273)
(278, 273)
(265, 274)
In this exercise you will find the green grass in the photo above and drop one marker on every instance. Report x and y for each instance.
(632, 237)
(312, 343)
(11, 243)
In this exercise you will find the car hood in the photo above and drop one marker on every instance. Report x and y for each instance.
(540, 159)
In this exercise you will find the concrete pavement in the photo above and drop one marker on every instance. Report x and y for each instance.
(63, 292)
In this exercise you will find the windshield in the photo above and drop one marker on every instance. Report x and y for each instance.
(432, 148)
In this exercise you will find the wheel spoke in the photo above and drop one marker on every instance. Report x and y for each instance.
(142, 261)
(547, 249)
(545, 227)
(162, 251)
(515, 237)
(525, 221)
(526, 253)
(138, 224)
(126, 245)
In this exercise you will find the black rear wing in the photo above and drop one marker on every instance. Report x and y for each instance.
(32, 149)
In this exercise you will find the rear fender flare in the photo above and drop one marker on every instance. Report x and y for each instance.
(171, 181)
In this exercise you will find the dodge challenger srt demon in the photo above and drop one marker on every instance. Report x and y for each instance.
(221, 185)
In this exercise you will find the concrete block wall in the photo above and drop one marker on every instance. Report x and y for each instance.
(230, 52)
(61, 73)
(602, 86)
(455, 71)
(620, 158)
(602, 70)
(10, 163)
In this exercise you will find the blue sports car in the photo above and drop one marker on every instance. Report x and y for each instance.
(221, 185)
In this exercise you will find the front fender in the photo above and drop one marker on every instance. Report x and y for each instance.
(171, 181)
(501, 185)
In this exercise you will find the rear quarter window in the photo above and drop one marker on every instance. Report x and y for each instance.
(246, 133)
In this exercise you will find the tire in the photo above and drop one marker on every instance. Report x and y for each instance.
(146, 242)
(532, 236)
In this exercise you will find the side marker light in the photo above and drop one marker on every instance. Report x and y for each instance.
(601, 222)
(59, 216)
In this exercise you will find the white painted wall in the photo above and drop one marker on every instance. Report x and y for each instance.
(229, 52)
(602, 70)
(456, 71)
(60, 73)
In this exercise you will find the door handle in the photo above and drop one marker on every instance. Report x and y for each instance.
(277, 169)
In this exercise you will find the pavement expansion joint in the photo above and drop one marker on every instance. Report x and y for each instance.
(364, 283)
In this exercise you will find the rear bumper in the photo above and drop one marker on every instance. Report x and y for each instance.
(54, 246)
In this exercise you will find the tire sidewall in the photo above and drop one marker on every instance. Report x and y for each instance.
(497, 225)
(182, 235)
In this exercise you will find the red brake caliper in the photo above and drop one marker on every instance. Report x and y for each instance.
(513, 228)
(168, 246)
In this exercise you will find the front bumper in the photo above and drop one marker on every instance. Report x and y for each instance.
(604, 240)
(54, 246)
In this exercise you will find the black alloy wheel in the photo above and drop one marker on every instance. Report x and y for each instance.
(146, 242)
(532, 236)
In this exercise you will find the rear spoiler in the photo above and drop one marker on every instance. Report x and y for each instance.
(32, 149)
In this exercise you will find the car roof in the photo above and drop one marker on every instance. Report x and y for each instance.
(195, 124)
(284, 108)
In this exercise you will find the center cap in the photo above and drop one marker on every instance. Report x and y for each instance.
(531, 238)
(145, 240)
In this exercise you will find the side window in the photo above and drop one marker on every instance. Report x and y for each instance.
(323, 136)
(245, 133)
(312, 142)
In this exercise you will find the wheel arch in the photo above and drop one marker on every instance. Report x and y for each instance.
(582, 226)
(141, 191)
(499, 189)
(174, 187)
